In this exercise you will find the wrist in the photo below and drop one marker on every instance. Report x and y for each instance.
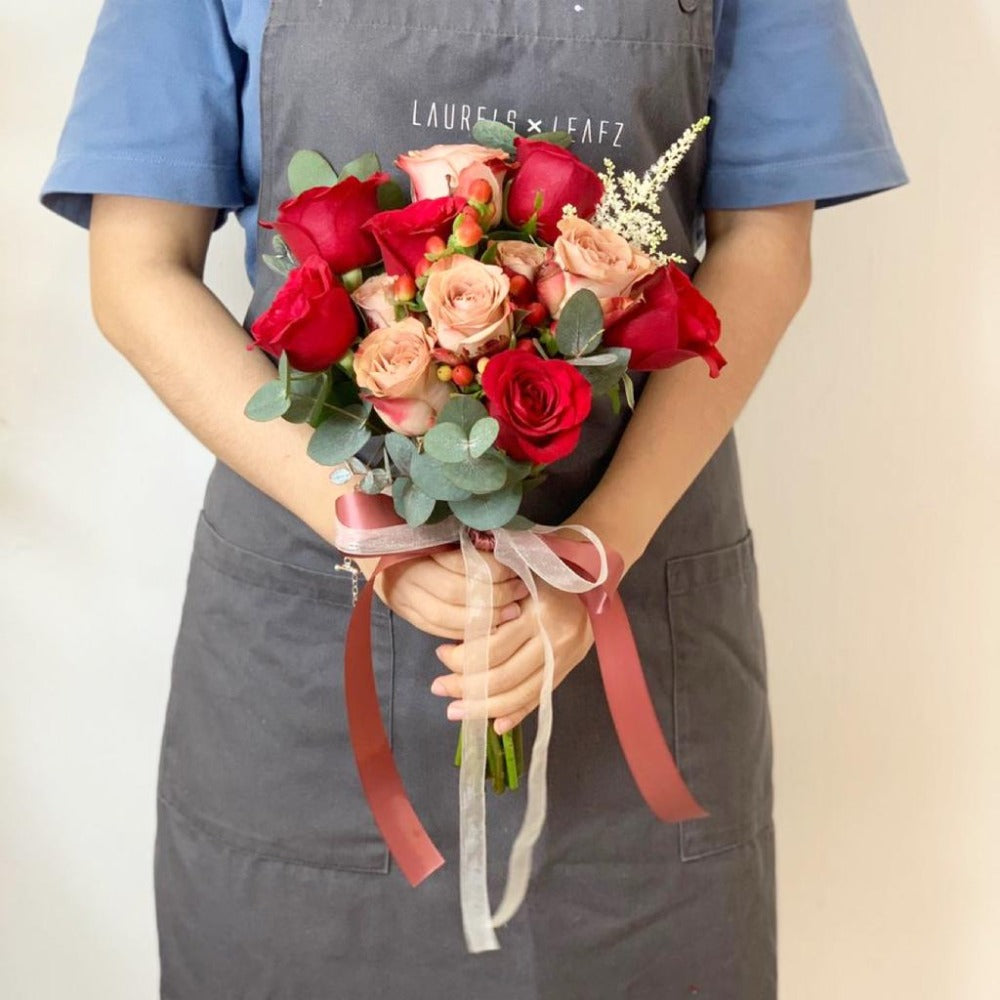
(611, 530)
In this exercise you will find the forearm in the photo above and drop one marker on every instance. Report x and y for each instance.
(756, 274)
(192, 352)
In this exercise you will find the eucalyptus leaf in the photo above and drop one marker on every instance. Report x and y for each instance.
(489, 512)
(516, 471)
(494, 134)
(558, 138)
(390, 196)
(401, 450)
(594, 360)
(603, 378)
(339, 437)
(478, 475)
(462, 410)
(364, 166)
(446, 442)
(410, 502)
(581, 321)
(629, 386)
(280, 265)
(374, 481)
(283, 370)
(309, 169)
(481, 437)
(268, 402)
(429, 474)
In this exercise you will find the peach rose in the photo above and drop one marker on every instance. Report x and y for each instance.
(444, 169)
(394, 365)
(376, 300)
(520, 257)
(468, 306)
(588, 257)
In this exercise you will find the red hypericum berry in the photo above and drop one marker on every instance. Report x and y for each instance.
(421, 267)
(536, 314)
(525, 344)
(462, 375)
(468, 232)
(404, 288)
(481, 191)
(435, 245)
(520, 287)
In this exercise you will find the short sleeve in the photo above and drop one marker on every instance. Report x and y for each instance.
(796, 114)
(155, 111)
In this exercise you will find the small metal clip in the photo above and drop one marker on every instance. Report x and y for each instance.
(350, 566)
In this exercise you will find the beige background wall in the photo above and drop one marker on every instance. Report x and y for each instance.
(872, 473)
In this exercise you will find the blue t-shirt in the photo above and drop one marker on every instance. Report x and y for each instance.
(166, 106)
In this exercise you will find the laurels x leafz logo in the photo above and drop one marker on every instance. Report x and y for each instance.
(453, 116)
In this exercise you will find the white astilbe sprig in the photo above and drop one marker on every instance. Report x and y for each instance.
(631, 204)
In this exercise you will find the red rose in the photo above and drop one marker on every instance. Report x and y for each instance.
(540, 404)
(312, 317)
(402, 233)
(672, 322)
(327, 221)
(559, 176)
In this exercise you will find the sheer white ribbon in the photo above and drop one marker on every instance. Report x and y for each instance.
(529, 557)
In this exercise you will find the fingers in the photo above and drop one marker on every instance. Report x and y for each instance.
(525, 663)
(453, 561)
(498, 647)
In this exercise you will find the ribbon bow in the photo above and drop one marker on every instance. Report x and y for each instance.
(369, 526)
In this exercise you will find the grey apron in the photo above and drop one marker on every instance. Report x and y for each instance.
(271, 878)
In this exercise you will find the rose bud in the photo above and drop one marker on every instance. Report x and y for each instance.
(559, 177)
(377, 301)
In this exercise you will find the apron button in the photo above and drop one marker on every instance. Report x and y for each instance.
(689, 6)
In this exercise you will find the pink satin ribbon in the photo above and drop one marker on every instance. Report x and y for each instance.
(643, 744)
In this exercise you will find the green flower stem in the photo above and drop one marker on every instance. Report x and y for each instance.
(518, 734)
(458, 749)
(496, 759)
(316, 412)
(510, 757)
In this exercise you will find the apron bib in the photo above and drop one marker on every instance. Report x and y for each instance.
(271, 877)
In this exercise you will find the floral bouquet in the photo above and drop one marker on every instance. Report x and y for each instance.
(470, 331)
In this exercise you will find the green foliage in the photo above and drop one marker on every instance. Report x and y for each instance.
(362, 167)
(494, 134)
(340, 436)
(308, 169)
(410, 502)
(490, 511)
(431, 476)
(268, 402)
(581, 322)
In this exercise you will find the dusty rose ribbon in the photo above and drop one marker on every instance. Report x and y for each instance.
(369, 526)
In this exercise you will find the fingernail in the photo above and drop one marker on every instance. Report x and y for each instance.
(510, 612)
(437, 687)
(439, 652)
(500, 726)
(456, 710)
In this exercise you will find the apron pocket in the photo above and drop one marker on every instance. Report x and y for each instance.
(255, 745)
(721, 712)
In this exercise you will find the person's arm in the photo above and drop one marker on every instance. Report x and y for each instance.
(147, 258)
(756, 272)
